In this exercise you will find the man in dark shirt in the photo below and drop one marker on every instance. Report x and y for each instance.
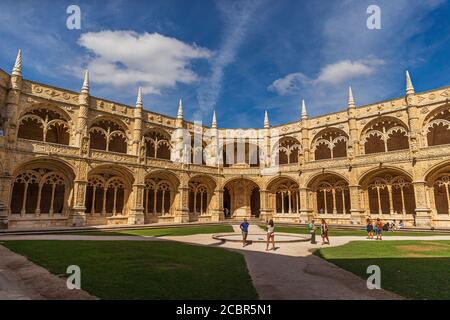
(244, 228)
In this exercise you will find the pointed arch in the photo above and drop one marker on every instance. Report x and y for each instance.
(385, 134)
(330, 143)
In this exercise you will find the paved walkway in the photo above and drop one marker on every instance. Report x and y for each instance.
(291, 272)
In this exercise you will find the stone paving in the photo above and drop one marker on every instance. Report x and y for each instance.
(290, 272)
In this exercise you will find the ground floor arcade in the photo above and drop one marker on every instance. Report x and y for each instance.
(47, 193)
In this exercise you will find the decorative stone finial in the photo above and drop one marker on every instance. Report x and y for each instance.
(351, 100)
(304, 113)
(266, 120)
(17, 70)
(85, 87)
(180, 110)
(214, 121)
(409, 85)
(139, 98)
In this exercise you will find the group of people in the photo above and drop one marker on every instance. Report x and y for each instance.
(270, 234)
(376, 229)
(323, 231)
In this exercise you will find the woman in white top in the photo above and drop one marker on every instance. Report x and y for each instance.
(270, 234)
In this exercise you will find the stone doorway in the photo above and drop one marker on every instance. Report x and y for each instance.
(242, 199)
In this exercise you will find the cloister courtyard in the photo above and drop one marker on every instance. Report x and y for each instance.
(188, 262)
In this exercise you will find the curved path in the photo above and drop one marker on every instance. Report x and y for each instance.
(291, 272)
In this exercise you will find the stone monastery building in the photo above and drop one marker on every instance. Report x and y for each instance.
(71, 159)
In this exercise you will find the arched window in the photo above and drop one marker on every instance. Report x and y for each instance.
(333, 198)
(391, 195)
(158, 197)
(109, 136)
(240, 152)
(442, 194)
(105, 195)
(286, 197)
(44, 125)
(385, 135)
(198, 198)
(157, 144)
(330, 144)
(288, 150)
(438, 128)
(38, 191)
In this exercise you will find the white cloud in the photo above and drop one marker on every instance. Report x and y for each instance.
(155, 62)
(342, 71)
(289, 84)
(331, 74)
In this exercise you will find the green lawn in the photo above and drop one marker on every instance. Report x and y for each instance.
(144, 269)
(302, 230)
(160, 232)
(413, 269)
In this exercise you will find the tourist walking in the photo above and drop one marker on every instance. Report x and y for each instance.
(324, 232)
(244, 228)
(379, 229)
(270, 235)
(312, 231)
(369, 229)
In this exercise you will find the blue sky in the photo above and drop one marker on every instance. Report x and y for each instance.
(237, 57)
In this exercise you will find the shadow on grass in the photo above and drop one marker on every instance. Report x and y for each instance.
(411, 277)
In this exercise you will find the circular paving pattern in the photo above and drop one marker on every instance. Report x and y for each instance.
(262, 237)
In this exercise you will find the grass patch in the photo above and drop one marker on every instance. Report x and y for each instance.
(413, 269)
(303, 230)
(144, 269)
(160, 232)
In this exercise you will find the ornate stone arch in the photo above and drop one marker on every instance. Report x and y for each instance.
(330, 143)
(330, 193)
(385, 134)
(108, 191)
(109, 134)
(161, 188)
(288, 149)
(158, 143)
(241, 197)
(438, 185)
(45, 122)
(284, 195)
(42, 187)
(436, 126)
(388, 191)
(201, 192)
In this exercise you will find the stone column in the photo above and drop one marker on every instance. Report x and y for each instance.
(423, 216)
(77, 216)
(266, 212)
(356, 212)
(306, 212)
(136, 198)
(182, 201)
(5, 191)
(217, 213)
(136, 215)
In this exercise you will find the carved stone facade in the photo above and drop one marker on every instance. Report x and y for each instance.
(70, 159)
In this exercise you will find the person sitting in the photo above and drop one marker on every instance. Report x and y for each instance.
(401, 225)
